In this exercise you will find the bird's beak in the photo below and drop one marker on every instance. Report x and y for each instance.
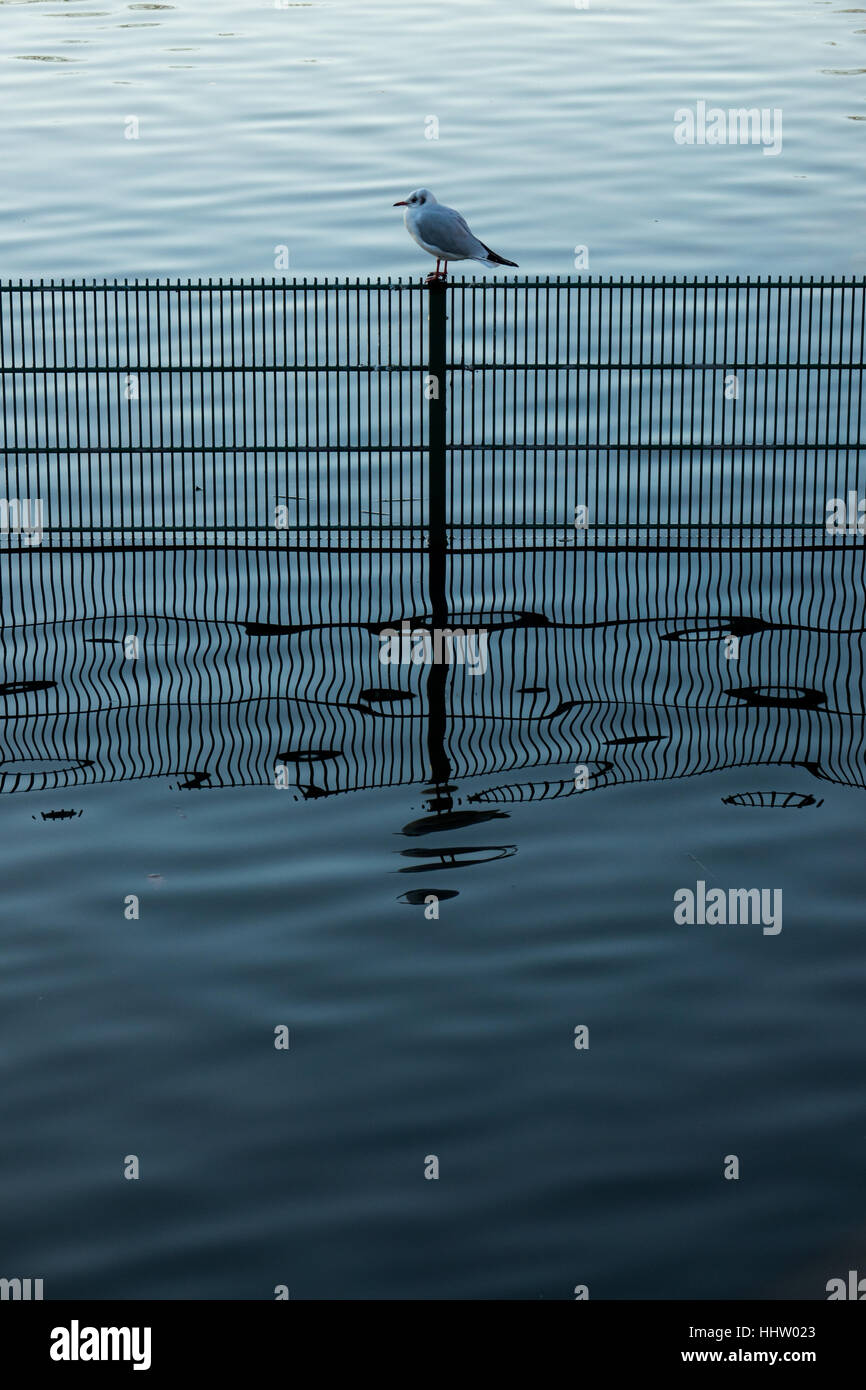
(402, 204)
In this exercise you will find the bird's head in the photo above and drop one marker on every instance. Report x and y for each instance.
(416, 199)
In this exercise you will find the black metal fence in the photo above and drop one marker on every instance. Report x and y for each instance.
(253, 480)
(300, 414)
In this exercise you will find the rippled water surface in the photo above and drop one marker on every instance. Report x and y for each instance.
(299, 125)
(151, 777)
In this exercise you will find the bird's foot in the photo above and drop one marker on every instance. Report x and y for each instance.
(436, 277)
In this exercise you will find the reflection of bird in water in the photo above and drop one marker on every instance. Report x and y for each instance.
(195, 783)
(451, 820)
(309, 792)
(443, 233)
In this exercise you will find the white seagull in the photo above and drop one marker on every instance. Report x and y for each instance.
(443, 233)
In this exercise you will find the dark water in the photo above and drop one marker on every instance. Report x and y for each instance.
(262, 906)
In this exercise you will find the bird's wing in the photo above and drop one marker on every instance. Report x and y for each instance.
(445, 228)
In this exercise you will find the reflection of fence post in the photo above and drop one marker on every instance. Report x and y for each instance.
(436, 466)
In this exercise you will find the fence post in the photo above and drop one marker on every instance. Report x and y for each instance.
(439, 763)
(436, 458)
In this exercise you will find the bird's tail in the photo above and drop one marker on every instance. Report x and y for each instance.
(494, 259)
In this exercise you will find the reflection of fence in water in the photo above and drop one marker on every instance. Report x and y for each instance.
(583, 666)
(431, 472)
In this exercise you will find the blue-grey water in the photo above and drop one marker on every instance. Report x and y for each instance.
(262, 126)
(151, 779)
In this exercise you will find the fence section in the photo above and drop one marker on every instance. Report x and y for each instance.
(718, 413)
(240, 486)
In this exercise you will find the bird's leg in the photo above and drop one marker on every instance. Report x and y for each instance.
(434, 277)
